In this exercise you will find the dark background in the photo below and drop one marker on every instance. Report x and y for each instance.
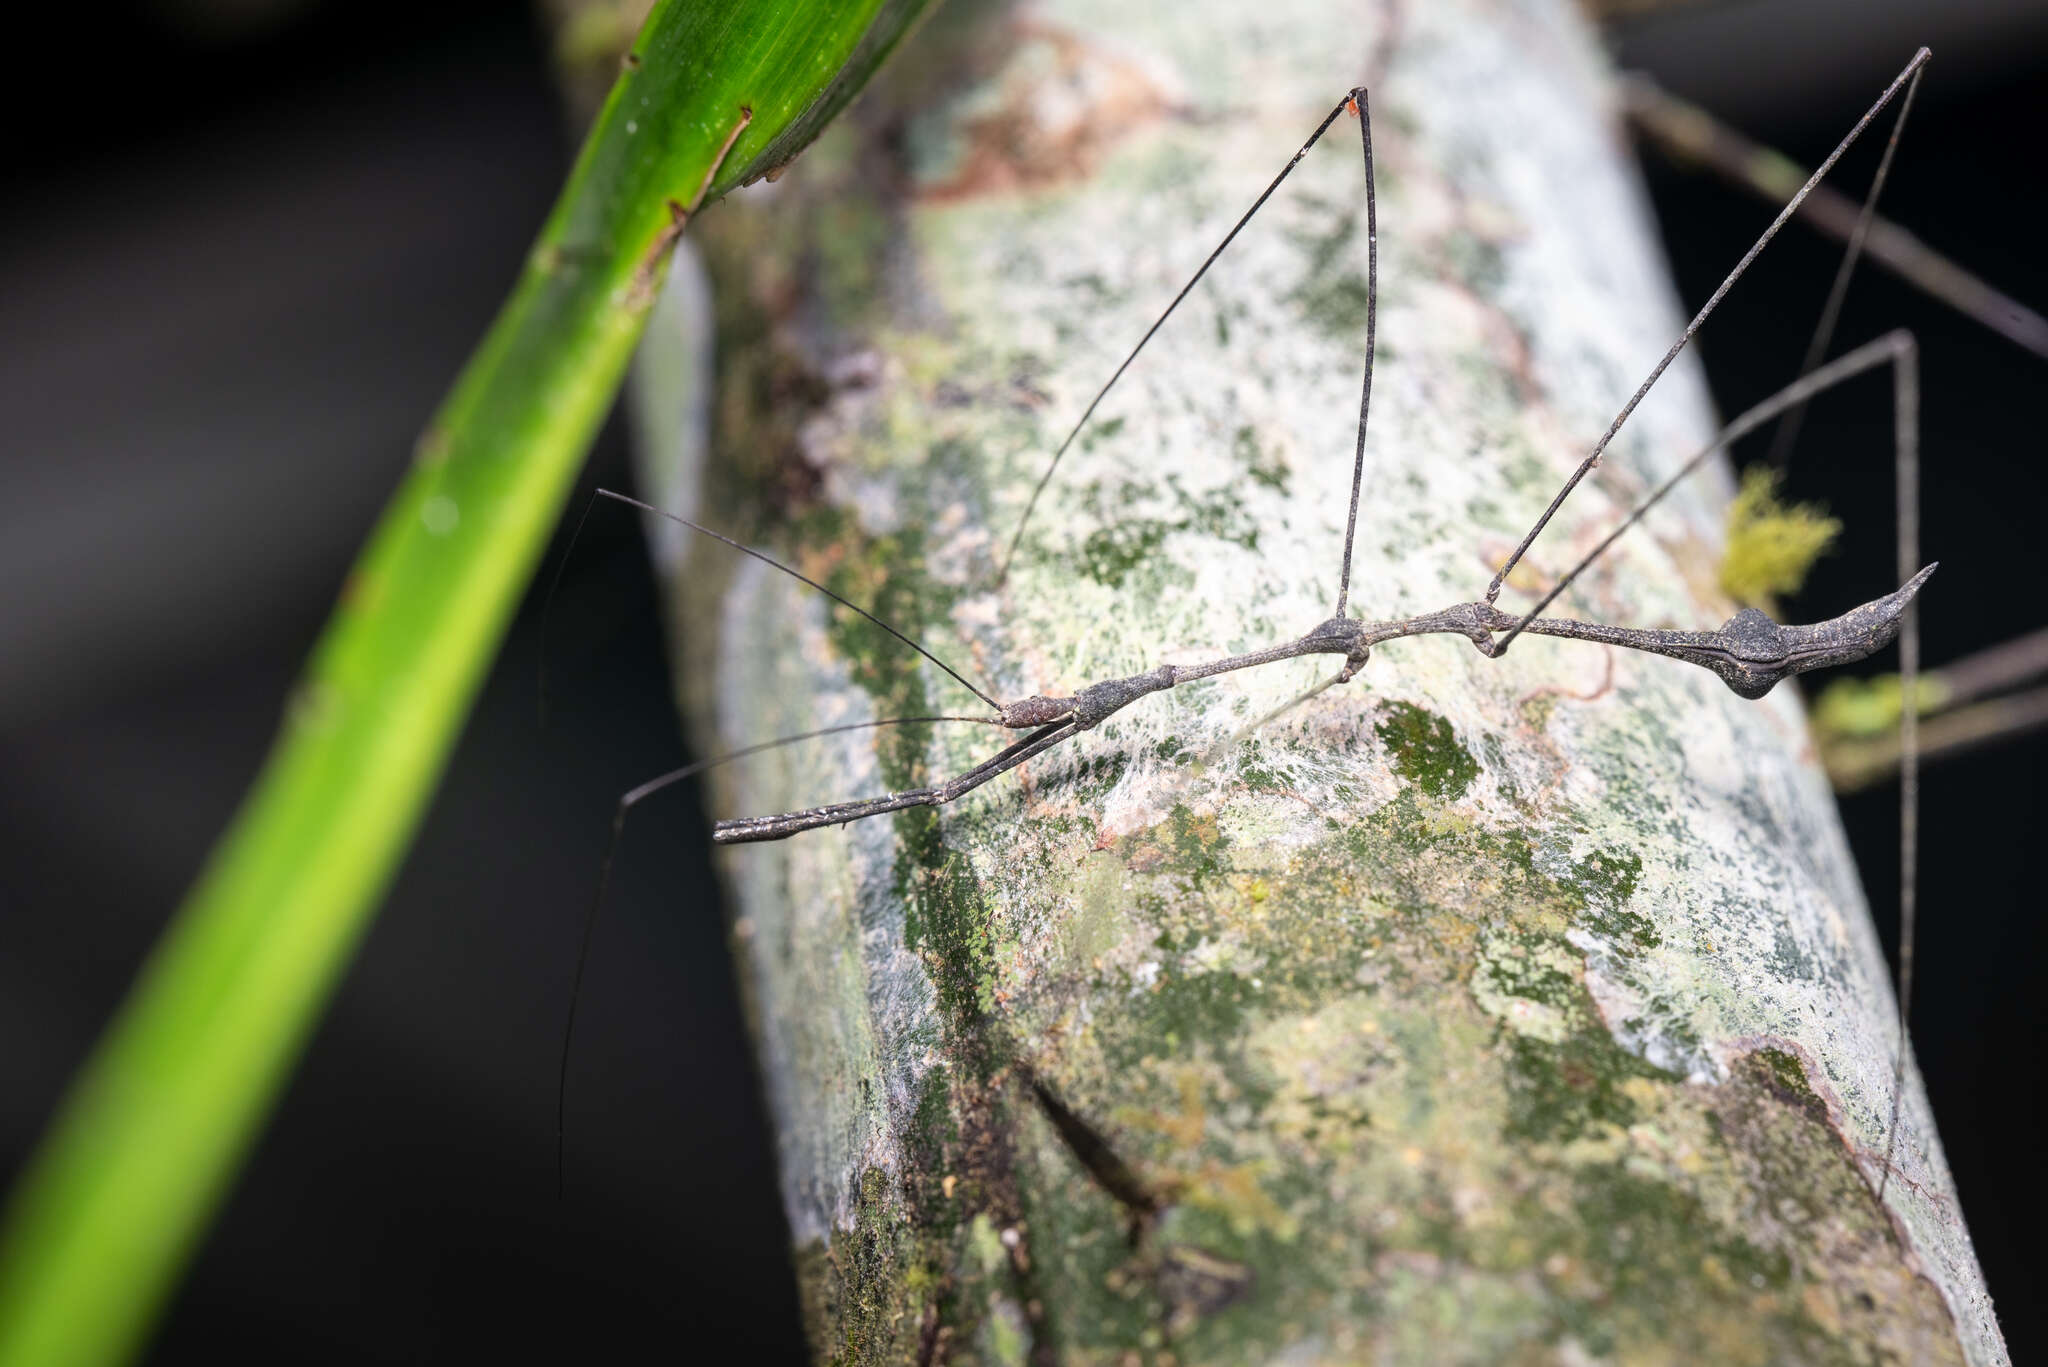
(240, 262)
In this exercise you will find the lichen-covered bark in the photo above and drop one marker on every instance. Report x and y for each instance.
(1476, 1011)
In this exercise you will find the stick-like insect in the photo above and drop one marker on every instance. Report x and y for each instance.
(1750, 652)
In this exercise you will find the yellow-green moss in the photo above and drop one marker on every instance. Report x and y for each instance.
(1862, 709)
(1771, 545)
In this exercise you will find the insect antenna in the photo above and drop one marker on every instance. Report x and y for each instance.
(1831, 312)
(655, 785)
(1352, 100)
(627, 802)
(547, 608)
(1911, 70)
(958, 677)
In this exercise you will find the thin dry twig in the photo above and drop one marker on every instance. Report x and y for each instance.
(1690, 134)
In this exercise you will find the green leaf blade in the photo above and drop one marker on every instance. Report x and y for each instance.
(147, 1144)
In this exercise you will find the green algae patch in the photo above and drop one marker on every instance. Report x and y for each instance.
(855, 1291)
(1426, 750)
(1112, 553)
(944, 918)
(1183, 1007)
(1256, 775)
(1531, 983)
(1271, 472)
(1608, 880)
(1308, 1075)
(1613, 874)
(1786, 1076)
(1124, 545)
(1332, 295)
(1564, 1090)
(1188, 841)
(1337, 306)
(1671, 1274)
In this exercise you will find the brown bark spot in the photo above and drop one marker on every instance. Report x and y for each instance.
(1060, 105)
(1804, 1194)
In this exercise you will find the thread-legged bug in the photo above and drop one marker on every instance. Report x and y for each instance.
(1750, 653)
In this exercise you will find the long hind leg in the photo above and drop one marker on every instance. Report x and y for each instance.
(1898, 351)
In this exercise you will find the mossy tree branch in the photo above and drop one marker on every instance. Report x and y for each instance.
(1479, 1010)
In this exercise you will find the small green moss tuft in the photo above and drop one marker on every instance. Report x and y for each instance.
(1771, 545)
